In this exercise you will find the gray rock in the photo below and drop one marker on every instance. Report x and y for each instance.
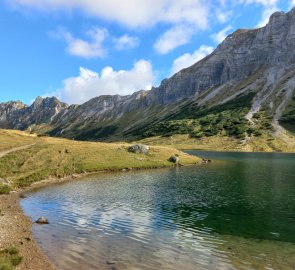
(42, 220)
(139, 148)
(174, 159)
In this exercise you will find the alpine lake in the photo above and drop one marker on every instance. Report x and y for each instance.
(237, 212)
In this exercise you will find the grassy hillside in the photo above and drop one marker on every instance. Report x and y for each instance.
(266, 142)
(55, 157)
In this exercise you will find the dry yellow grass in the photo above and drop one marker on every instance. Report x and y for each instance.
(265, 143)
(60, 157)
(13, 138)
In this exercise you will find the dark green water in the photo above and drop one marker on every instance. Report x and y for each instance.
(235, 213)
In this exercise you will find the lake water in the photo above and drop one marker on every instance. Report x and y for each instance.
(235, 213)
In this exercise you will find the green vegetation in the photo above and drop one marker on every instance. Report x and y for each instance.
(226, 119)
(4, 189)
(9, 259)
(288, 118)
(53, 157)
(263, 122)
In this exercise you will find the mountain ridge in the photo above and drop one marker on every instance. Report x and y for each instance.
(259, 61)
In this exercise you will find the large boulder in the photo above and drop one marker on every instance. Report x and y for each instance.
(174, 159)
(139, 148)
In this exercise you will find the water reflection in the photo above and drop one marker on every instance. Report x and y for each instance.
(237, 213)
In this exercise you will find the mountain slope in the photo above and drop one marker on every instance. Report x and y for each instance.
(245, 88)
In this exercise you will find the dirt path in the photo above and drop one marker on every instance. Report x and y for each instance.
(6, 152)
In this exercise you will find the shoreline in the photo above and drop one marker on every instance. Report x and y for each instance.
(16, 227)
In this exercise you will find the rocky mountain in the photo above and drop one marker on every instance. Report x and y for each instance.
(244, 87)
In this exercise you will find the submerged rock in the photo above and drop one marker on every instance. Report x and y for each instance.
(42, 220)
(139, 148)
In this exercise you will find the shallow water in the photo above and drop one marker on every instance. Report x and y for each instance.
(235, 213)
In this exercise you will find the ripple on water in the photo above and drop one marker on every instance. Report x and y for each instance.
(237, 213)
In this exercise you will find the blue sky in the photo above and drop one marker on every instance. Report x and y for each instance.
(79, 49)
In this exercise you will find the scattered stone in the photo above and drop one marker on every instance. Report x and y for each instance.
(204, 160)
(22, 196)
(174, 159)
(42, 220)
(110, 262)
(139, 148)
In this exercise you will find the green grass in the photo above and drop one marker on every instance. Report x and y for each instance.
(4, 189)
(54, 157)
(9, 259)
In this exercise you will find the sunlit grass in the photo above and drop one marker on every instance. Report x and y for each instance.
(60, 157)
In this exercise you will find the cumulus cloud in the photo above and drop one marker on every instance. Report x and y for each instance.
(89, 84)
(193, 14)
(265, 16)
(221, 35)
(270, 6)
(126, 42)
(131, 13)
(173, 38)
(90, 47)
(188, 59)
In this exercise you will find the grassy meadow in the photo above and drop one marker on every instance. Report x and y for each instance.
(53, 157)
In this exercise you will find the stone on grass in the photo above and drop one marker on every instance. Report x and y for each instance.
(139, 148)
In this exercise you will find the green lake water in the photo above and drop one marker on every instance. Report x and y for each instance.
(237, 212)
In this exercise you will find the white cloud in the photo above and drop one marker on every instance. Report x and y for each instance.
(223, 15)
(265, 16)
(90, 84)
(188, 59)
(131, 13)
(126, 42)
(173, 38)
(262, 2)
(221, 35)
(270, 6)
(292, 3)
(91, 48)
